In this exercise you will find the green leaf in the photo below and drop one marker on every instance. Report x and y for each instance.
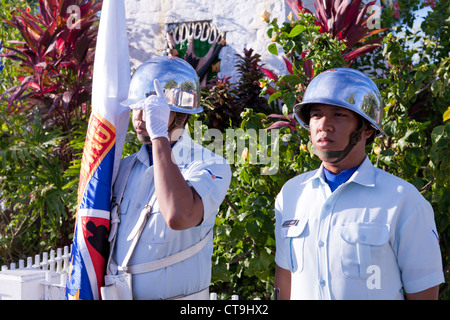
(244, 175)
(437, 134)
(296, 31)
(289, 99)
(382, 81)
(292, 79)
(252, 228)
(274, 96)
(419, 76)
(273, 49)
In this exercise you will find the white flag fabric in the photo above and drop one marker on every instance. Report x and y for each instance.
(101, 156)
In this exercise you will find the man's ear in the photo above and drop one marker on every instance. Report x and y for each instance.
(368, 132)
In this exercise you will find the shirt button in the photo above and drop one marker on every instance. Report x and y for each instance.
(322, 283)
(363, 237)
(138, 205)
(321, 244)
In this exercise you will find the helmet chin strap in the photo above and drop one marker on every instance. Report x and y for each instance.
(144, 139)
(355, 137)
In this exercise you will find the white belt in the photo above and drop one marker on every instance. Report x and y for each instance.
(168, 261)
(202, 295)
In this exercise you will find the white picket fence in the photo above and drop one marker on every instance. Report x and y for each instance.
(58, 261)
(42, 279)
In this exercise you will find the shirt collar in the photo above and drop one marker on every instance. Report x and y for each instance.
(143, 156)
(364, 175)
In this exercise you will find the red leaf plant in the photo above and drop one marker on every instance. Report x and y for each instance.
(285, 122)
(56, 56)
(346, 21)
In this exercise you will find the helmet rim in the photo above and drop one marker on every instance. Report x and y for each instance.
(178, 79)
(346, 88)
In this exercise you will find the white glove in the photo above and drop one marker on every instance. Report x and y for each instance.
(156, 113)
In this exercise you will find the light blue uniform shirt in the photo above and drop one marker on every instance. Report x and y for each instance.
(210, 175)
(371, 237)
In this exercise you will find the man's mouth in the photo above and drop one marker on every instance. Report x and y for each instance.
(324, 141)
(141, 131)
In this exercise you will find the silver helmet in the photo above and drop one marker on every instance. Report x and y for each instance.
(177, 78)
(347, 88)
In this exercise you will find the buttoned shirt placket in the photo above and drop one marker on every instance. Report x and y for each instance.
(323, 231)
(322, 241)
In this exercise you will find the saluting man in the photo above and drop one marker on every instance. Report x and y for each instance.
(166, 195)
(350, 230)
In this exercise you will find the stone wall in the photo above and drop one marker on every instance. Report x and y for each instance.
(148, 22)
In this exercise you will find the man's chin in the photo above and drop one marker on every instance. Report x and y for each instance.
(144, 139)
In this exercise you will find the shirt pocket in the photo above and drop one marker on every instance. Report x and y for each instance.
(294, 235)
(361, 246)
(123, 208)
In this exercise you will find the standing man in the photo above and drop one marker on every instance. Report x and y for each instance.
(167, 194)
(350, 230)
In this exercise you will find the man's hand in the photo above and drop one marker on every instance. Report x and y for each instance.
(283, 283)
(156, 113)
(428, 294)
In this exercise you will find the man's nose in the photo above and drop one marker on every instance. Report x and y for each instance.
(325, 123)
(139, 115)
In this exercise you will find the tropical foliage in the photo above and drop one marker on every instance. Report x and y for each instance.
(45, 103)
(56, 58)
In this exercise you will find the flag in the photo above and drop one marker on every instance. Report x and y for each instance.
(105, 137)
